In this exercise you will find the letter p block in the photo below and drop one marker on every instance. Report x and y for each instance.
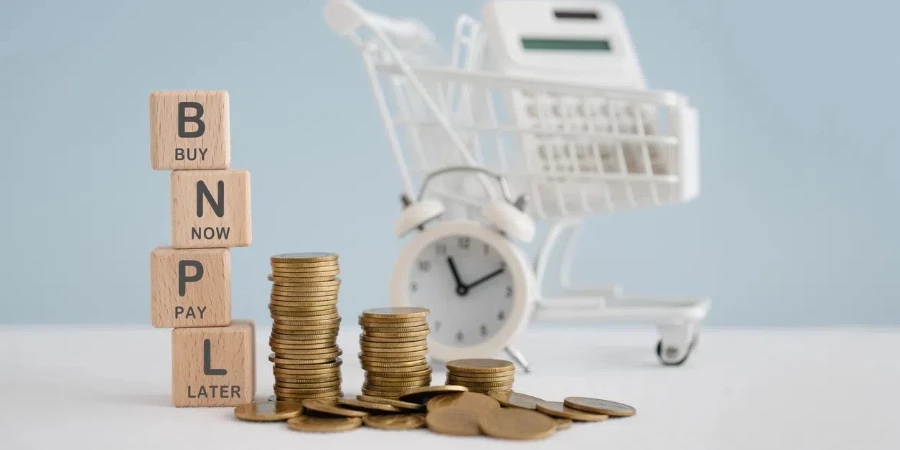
(190, 288)
(189, 130)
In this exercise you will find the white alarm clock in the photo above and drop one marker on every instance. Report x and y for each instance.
(469, 274)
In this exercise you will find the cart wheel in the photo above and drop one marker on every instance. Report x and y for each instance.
(671, 352)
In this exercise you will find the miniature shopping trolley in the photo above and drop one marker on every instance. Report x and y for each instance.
(549, 98)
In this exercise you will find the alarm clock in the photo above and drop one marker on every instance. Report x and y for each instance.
(469, 274)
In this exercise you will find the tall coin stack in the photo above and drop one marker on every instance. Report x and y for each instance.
(481, 375)
(393, 347)
(303, 305)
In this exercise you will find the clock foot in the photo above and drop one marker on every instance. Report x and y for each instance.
(518, 358)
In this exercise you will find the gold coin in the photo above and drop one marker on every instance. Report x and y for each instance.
(305, 265)
(383, 394)
(400, 359)
(364, 338)
(300, 271)
(480, 366)
(423, 394)
(558, 409)
(409, 406)
(562, 424)
(411, 344)
(286, 277)
(395, 421)
(304, 338)
(313, 353)
(600, 406)
(471, 400)
(268, 411)
(334, 365)
(515, 399)
(324, 424)
(389, 381)
(480, 385)
(401, 312)
(302, 391)
(307, 381)
(517, 424)
(453, 421)
(314, 322)
(328, 407)
(308, 286)
(278, 260)
(424, 373)
(304, 257)
(301, 362)
(283, 302)
(291, 345)
(390, 323)
(486, 390)
(303, 290)
(375, 350)
(396, 330)
(299, 398)
(394, 356)
(313, 334)
(395, 385)
(301, 310)
(482, 378)
(395, 335)
(318, 315)
(394, 390)
(388, 368)
(284, 384)
(362, 405)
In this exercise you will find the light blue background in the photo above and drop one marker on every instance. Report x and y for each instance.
(796, 225)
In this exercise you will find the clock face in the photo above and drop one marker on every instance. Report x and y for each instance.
(465, 283)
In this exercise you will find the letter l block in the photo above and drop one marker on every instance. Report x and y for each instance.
(210, 208)
(214, 366)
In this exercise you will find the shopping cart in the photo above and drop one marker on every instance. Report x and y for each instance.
(551, 98)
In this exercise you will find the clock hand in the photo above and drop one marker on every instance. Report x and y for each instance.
(461, 288)
(484, 278)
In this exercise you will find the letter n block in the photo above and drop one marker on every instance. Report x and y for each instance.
(210, 208)
(190, 288)
(214, 366)
(189, 130)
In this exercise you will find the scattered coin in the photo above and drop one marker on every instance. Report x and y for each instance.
(558, 409)
(270, 411)
(562, 424)
(454, 421)
(600, 406)
(425, 393)
(516, 423)
(395, 421)
(515, 399)
(362, 405)
(409, 406)
(324, 424)
(328, 407)
(471, 400)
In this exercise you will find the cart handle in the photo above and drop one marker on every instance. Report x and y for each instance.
(345, 16)
(504, 187)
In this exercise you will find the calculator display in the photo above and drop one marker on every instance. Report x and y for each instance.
(578, 45)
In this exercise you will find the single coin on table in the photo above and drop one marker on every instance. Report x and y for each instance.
(480, 365)
(509, 398)
(454, 421)
(395, 421)
(516, 423)
(600, 406)
(362, 405)
(558, 409)
(324, 424)
(471, 400)
(269, 411)
(329, 407)
(425, 393)
(409, 406)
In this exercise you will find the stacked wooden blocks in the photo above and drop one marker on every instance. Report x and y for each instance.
(213, 360)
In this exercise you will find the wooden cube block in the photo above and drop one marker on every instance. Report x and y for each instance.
(210, 208)
(189, 130)
(214, 366)
(190, 288)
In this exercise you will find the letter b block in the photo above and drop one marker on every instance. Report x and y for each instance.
(210, 208)
(189, 130)
(190, 288)
(214, 366)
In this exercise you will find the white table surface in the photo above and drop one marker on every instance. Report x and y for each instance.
(109, 388)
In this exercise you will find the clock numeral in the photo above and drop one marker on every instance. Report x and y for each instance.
(459, 336)
(464, 243)
(501, 315)
(484, 330)
(414, 286)
(509, 292)
(424, 265)
(440, 249)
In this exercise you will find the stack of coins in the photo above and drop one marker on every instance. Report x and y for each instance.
(481, 375)
(393, 347)
(305, 328)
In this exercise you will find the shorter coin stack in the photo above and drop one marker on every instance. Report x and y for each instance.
(393, 347)
(481, 375)
(303, 304)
